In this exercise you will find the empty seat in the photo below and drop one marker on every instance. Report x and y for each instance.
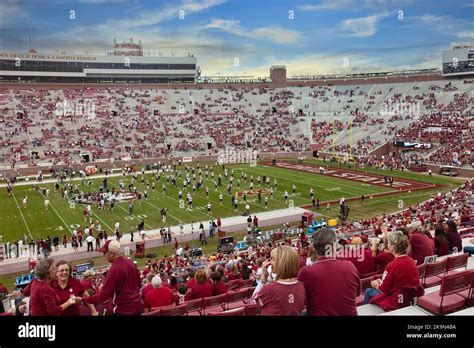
(173, 310)
(236, 296)
(432, 270)
(457, 261)
(233, 284)
(246, 283)
(421, 270)
(448, 299)
(194, 306)
(213, 301)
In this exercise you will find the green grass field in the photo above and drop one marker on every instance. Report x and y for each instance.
(35, 222)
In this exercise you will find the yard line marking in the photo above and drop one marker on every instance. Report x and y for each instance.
(56, 212)
(22, 216)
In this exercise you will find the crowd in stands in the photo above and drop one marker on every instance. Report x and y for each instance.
(60, 126)
(281, 277)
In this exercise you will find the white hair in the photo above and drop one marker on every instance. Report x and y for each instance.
(156, 281)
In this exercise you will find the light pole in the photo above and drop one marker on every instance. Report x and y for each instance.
(192, 233)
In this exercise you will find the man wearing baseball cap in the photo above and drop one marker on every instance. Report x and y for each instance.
(122, 283)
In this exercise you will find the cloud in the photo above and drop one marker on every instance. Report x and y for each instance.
(466, 34)
(430, 18)
(167, 13)
(352, 4)
(275, 34)
(103, 1)
(364, 26)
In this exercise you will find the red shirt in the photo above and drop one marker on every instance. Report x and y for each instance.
(87, 284)
(455, 242)
(401, 272)
(382, 260)
(219, 288)
(147, 288)
(123, 284)
(73, 287)
(327, 294)
(43, 300)
(441, 248)
(282, 298)
(159, 297)
(191, 283)
(201, 290)
(364, 262)
(421, 246)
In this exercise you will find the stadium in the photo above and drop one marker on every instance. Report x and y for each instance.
(209, 194)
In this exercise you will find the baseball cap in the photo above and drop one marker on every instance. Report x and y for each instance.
(110, 245)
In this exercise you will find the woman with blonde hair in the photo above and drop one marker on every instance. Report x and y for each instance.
(286, 294)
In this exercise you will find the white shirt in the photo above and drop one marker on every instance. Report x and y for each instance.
(90, 239)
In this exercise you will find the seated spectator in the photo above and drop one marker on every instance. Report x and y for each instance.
(359, 255)
(286, 294)
(455, 242)
(441, 241)
(87, 280)
(470, 248)
(234, 273)
(382, 256)
(182, 295)
(421, 246)
(148, 285)
(202, 288)
(191, 281)
(173, 283)
(400, 273)
(218, 286)
(327, 294)
(159, 296)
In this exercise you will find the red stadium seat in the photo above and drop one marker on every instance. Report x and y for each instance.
(174, 310)
(448, 298)
(236, 312)
(213, 301)
(236, 296)
(457, 261)
(432, 270)
(233, 284)
(421, 270)
(194, 305)
(153, 313)
(252, 310)
(246, 283)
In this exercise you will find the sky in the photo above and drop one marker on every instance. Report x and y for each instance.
(246, 37)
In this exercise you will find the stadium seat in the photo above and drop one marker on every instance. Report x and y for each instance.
(457, 261)
(174, 310)
(194, 306)
(214, 301)
(448, 299)
(236, 312)
(153, 313)
(233, 284)
(246, 283)
(252, 310)
(432, 270)
(421, 270)
(236, 296)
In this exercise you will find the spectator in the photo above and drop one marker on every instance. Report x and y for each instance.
(400, 273)
(43, 300)
(148, 285)
(234, 273)
(421, 246)
(286, 294)
(382, 255)
(441, 241)
(455, 242)
(158, 297)
(218, 286)
(325, 293)
(86, 282)
(202, 288)
(122, 283)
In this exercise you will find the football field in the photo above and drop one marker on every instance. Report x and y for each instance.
(61, 218)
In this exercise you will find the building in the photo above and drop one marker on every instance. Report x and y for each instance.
(278, 74)
(126, 64)
(459, 60)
